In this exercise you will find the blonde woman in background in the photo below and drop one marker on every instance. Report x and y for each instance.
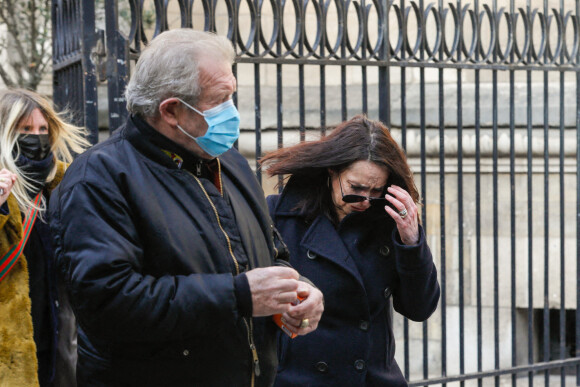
(36, 145)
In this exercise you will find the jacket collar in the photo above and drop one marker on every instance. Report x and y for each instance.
(321, 237)
(152, 143)
(290, 198)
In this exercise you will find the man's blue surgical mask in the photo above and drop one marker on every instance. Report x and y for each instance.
(223, 128)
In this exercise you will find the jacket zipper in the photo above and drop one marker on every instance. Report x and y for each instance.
(255, 359)
(250, 325)
(236, 264)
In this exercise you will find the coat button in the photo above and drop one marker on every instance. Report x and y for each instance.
(363, 325)
(359, 365)
(384, 250)
(322, 367)
(311, 255)
(185, 352)
(387, 292)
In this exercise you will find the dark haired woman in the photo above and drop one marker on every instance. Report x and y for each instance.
(348, 214)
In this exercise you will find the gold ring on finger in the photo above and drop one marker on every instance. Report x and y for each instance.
(304, 323)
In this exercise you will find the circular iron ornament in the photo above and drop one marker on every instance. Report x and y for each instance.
(349, 48)
(398, 50)
(537, 55)
(311, 48)
(230, 7)
(333, 49)
(295, 40)
(553, 56)
(135, 10)
(461, 34)
(418, 42)
(246, 46)
(469, 50)
(571, 55)
(186, 13)
(522, 55)
(450, 52)
(432, 52)
(270, 46)
(504, 55)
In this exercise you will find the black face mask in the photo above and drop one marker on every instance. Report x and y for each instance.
(34, 146)
(35, 171)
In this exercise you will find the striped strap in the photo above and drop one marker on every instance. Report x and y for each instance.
(8, 261)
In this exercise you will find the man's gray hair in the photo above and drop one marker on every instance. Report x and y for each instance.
(169, 67)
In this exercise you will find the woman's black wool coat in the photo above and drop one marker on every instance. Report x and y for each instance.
(362, 269)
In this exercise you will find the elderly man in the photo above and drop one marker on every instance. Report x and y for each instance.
(164, 239)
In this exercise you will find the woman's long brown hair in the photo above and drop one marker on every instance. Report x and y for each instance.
(356, 139)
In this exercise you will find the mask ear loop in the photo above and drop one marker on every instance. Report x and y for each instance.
(189, 106)
(187, 134)
(195, 110)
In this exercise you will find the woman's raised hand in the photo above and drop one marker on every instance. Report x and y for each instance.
(405, 215)
(7, 180)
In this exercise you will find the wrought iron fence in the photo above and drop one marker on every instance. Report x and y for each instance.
(484, 98)
(74, 79)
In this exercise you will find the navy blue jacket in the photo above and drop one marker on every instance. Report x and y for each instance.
(362, 269)
(150, 253)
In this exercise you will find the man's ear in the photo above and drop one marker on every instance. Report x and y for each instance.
(170, 111)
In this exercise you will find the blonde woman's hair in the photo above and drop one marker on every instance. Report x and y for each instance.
(16, 106)
(169, 67)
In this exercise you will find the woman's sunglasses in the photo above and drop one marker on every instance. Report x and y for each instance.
(352, 198)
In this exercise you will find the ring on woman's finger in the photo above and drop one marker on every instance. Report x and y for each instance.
(304, 323)
(403, 213)
(2, 180)
(1, 191)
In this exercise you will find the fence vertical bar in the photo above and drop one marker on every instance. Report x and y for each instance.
(363, 68)
(442, 225)
(322, 73)
(460, 208)
(90, 98)
(279, 94)
(562, 223)
(302, 8)
(257, 88)
(478, 200)
(117, 66)
(384, 58)
(546, 312)
(343, 99)
(530, 213)
(495, 204)
(512, 203)
(577, 328)
(403, 70)
(423, 128)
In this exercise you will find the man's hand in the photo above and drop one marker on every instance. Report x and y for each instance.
(273, 289)
(304, 317)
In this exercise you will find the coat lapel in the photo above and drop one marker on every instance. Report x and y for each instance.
(322, 239)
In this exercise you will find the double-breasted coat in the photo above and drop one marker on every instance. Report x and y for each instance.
(363, 269)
